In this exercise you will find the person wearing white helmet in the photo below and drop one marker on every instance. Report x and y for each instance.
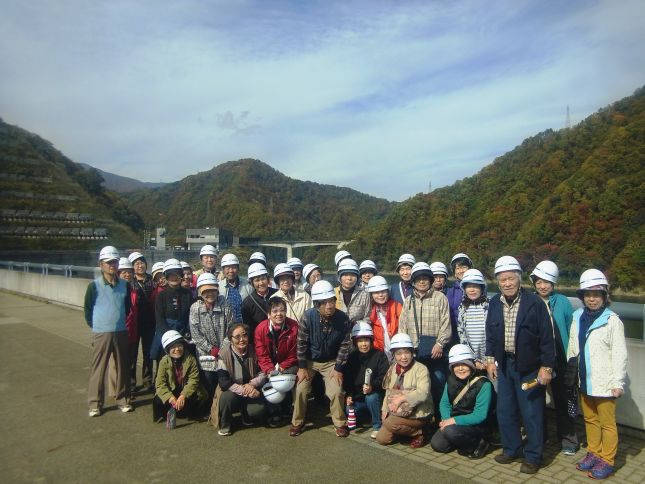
(276, 346)
(187, 278)
(341, 255)
(311, 273)
(125, 270)
(323, 347)
(402, 289)
(598, 356)
(407, 407)
(364, 392)
(459, 264)
(384, 314)
(297, 266)
(544, 277)
(298, 301)
(172, 307)
(367, 269)
(471, 315)
(426, 319)
(440, 273)
(158, 279)
(240, 382)
(258, 257)
(144, 288)
(465, 407)
(177, 396)
(232, 288)
(350, 298)
(519, 348)
(208, 258)
(255, 307)
(210, 317)
(107, 304)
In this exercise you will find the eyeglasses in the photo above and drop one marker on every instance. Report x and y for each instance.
(240, 336)
(279, 311)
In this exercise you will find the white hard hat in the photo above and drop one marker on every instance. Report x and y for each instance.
(377, 283)
(124, 264)
(473, 276)
(258, 257)
(421, 269)
(439, 268)
(340, 255)
(135, 256)
(283, 382)
(592, 279)
(157, 267)
(230, 260)
(271, 394)
(295, 263)
(171, 265)
(207, 250)
(405, 259)
(347, 266)
(460, 257)
(282, 269)
(257, 269)
(545, 270)
(400, 340)
(367, 266)
(207, 281)
(108, 253)
(461, 354)
(322, 290)
(308, 269)
(507, 263)
(362, 329)
(184, 264)
(170, 337)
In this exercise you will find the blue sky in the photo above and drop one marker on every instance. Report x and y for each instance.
(383, 97)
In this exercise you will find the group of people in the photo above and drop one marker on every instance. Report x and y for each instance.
(421, 359)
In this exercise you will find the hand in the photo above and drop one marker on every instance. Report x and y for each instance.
(446, 423)
(544, 377)
(247, 389)
(255, 393)
(491, 369)
(172, 401)
(181, 401)
(367, 389)
(303, 374)
(349, 401)
(479, 365)
(617, 392)
(396, 402)
(338, 376)
(437, 351)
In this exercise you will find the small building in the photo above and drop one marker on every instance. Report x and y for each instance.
(218, 237)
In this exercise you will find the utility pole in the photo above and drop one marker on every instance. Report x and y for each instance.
(567, 123)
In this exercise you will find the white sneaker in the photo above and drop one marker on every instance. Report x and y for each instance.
(224, 432)
(95, 412)
(373, 434)
(126, 408)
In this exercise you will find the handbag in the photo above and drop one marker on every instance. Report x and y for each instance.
(570, 377)
(425, 343)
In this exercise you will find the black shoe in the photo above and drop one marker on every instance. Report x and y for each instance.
(505, 459)
(275, 422)
(528, 468)
(480, 451)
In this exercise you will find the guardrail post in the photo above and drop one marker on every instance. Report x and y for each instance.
(45, 269)
(26, 267)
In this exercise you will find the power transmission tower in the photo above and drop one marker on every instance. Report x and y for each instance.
(567, 123)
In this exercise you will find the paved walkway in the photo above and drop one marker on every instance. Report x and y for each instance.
(47, 436)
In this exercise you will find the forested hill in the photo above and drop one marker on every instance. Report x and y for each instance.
(575, 196)
(255, 200)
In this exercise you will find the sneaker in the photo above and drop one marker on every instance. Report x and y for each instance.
(247, 422)
(295, 430)
(95, 412)
(342, 432)
(126, 408)
(529, 468)
(569, 451)
(588, 462)
(224, 432)
(373, 434)
(602, 470)
(480, 451)
(418, 442)
(505, 459)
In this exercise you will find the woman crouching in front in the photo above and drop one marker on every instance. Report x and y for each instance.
(407, 407)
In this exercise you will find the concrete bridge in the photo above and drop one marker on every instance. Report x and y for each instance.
(292, 244)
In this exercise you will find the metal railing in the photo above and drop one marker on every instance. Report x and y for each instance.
(53, 269)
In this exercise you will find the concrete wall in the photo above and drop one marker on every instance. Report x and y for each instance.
(71, 291)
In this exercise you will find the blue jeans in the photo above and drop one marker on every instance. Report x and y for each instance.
(372, 406)
(513, 402)
(438, 370)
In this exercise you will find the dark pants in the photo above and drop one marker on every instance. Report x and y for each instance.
(438, 370)
(514, 403)
(192, 408)
(146, 334)
(210, 382)
(566, 426)
(229, 403)
(462, 437)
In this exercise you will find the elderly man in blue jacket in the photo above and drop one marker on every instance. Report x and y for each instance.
(519, 349)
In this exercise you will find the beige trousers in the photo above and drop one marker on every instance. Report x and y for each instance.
(393, 426)
(105, 345)
(332, 389)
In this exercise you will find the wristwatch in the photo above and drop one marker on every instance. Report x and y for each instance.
(547, 369)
